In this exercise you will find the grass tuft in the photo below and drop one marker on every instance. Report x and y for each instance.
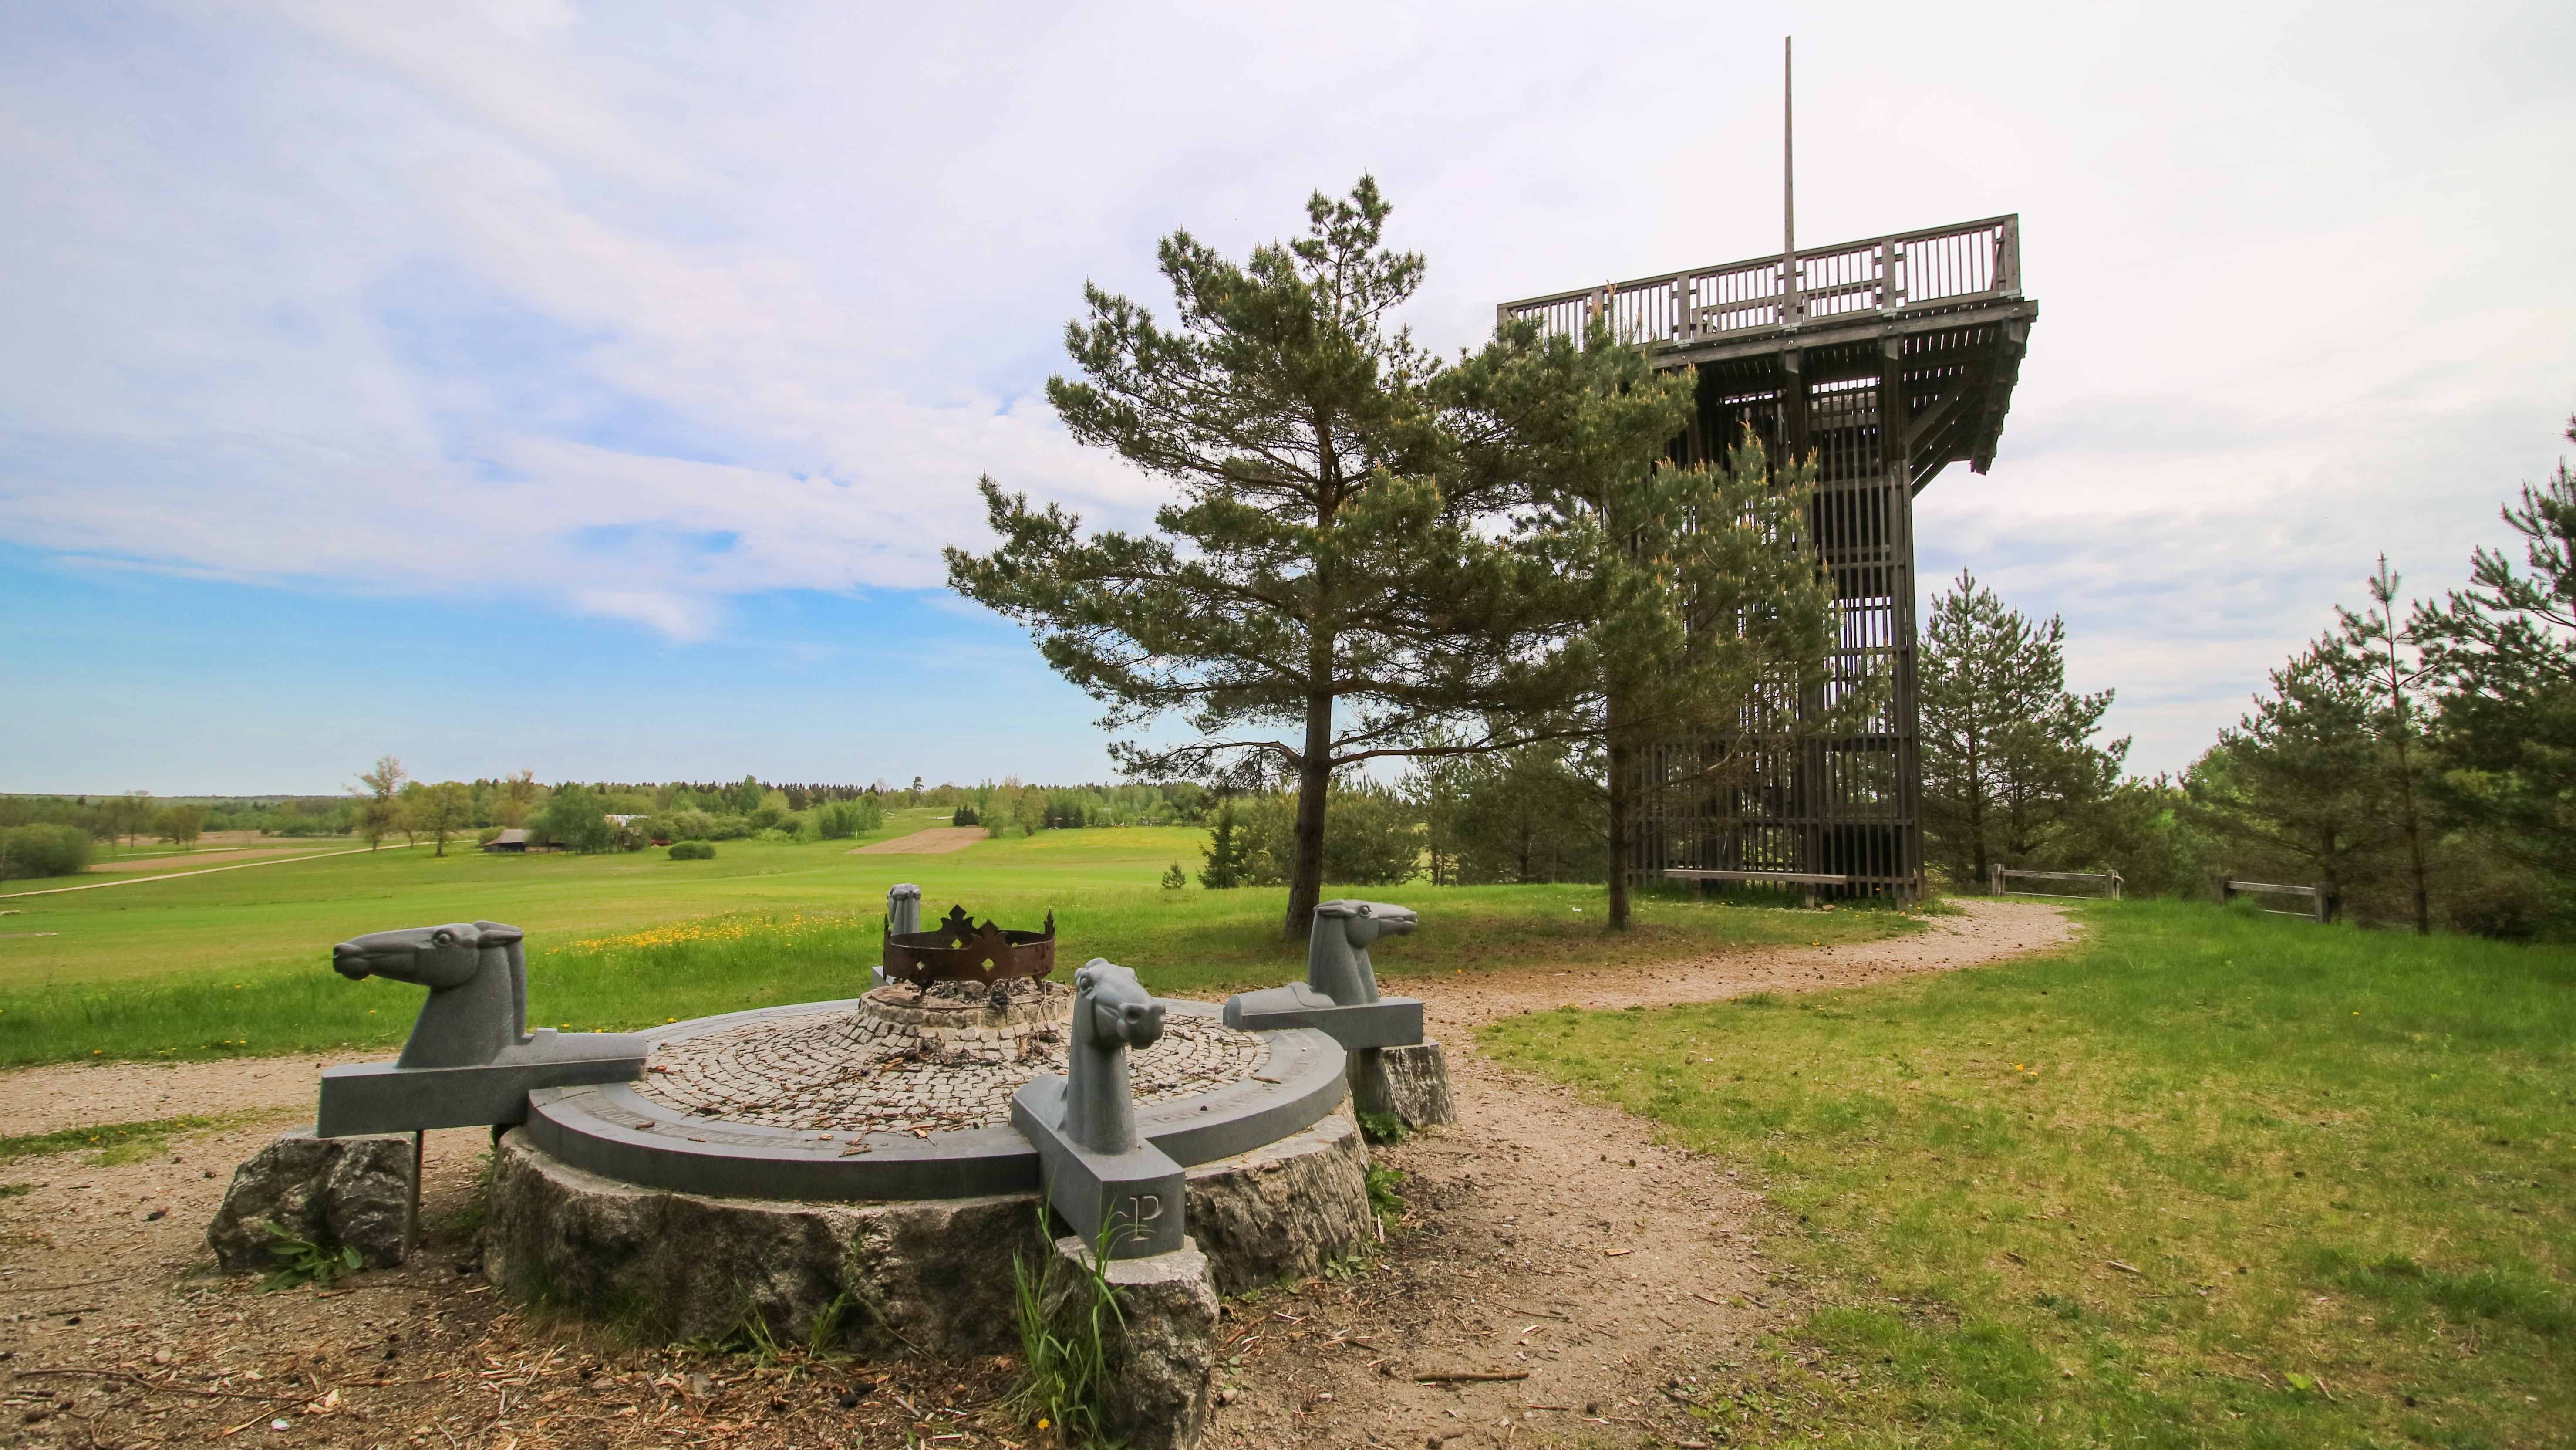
(112, 1143)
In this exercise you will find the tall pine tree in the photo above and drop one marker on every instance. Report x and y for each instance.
(2382, 656)
(1319, 594)
(2503, 654)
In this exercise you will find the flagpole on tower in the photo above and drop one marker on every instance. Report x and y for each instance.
(1790, 307)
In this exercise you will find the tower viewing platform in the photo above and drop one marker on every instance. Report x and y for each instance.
(1884, 360)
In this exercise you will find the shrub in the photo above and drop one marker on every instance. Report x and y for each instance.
(43, 851)
(965, 817)
(840, 820)
(1371, 838)
(693, 851)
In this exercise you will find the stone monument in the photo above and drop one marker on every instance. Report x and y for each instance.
(1394, 1071)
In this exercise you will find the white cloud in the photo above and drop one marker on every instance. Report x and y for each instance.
(641, 309)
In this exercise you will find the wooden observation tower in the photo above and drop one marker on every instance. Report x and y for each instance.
(1887, 359)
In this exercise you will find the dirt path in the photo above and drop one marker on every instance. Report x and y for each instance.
(1554, 1237)
(937, 841)
(176, 859)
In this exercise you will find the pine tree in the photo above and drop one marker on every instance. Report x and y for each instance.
(1692, 608)
(2296, 781)
(2381, 656)
(1319, 594)
(1526, 815)
(1226, 852)
(2502, 654)
(2009, 764)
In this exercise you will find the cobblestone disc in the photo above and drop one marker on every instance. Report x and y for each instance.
(851, 1073)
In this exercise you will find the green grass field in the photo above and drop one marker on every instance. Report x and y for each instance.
(2203, 1179)
(237, 962)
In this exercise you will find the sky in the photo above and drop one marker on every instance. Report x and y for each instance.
(590, 389)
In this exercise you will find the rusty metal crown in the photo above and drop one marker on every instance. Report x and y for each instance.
(957, 950)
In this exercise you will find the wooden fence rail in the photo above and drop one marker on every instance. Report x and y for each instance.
(1998, 877)
(1886, 276)
(2321, 902)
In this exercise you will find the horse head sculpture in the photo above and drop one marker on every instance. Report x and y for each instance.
(1337, 957)
(477, 978)
(1112, 1013)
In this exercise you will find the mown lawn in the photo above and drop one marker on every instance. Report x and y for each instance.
(238, 962)
(2203, 1179)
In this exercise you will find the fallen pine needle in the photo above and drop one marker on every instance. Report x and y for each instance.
(1703, 1298)
(113, 1374)
(1436, 1376)
(2123, 1268)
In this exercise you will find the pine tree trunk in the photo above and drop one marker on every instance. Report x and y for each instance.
(1977, 817)
(1623, 808)
(1314, 780)
(2414, 840)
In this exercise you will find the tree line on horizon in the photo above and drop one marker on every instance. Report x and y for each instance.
(54, 835)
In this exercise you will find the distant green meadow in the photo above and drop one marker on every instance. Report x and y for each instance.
(237, 963)
(2203, 1178)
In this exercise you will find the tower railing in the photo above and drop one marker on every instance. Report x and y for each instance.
(1945, 266)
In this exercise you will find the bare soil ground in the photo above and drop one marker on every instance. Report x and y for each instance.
(182, 860)
(220, 846)
(1544, 1235)
(937, 841)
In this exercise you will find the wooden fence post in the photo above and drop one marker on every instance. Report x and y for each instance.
(1995, 878)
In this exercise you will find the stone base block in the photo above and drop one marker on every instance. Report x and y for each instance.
(1408, 1084)
(930, 1275)
(1162, 1367)
(359, 1191)
(1131, 1198)
(1282, 1210)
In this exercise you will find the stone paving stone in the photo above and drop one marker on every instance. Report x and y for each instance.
(921, 1062)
